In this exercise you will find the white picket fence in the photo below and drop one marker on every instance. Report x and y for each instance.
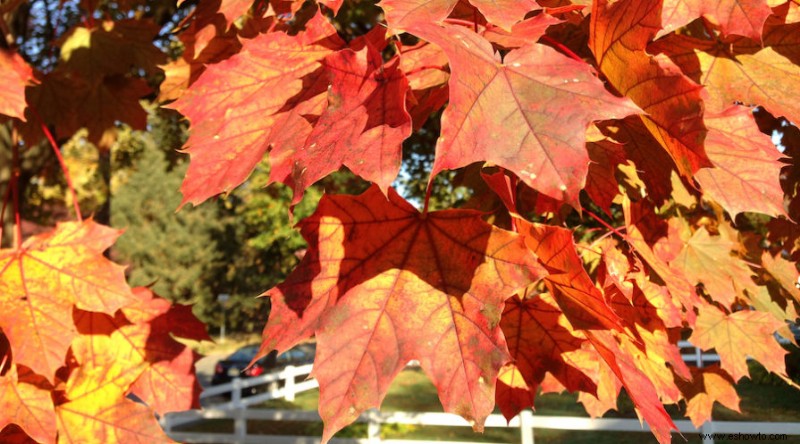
(284, 384)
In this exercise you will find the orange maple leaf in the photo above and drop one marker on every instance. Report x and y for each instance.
(739, 335)
(41, 282)
(707, 386)
(17, 75)
(26, 401)
(510, 113)
(674, 104)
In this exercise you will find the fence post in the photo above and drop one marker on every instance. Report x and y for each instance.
(707, 432)
(373, 427)
(240, 424)
(699, 357)
(166, 423)
(526, 426)
(288, 387)
(236, 392)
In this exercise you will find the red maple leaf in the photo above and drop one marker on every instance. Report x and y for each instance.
(255, 100)
(539, 343)
(371, 262)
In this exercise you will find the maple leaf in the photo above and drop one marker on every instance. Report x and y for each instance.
(15, 434)
(25, 400)
(141, 335)
(363, 126)
(572, 288)
(653, 164)
(741, 17)
(291, 7)
(707, 386)
(512, 393)
(522, 33)
(527, 113)
(648, 341)
(233, 9)
(94, 85)
(251, 101)
(739, 335)
(636, 383)
(708, 260)
(647, 352)
(653, 339)
(760, 299)
(382, 284)
(70, 102)
(631, 293)
(789, 9)
(608, 385)
(97, 406)
(746, 177)
(674, 104)
(425, 68)
(784, 272)
(130, 353)
(742, 70)
(209, 38)
(539, 343)
(502, 184)
(640, 222)
(42, 280)
(401, 14)
(601, 183)
(17, 75)
(98, 52)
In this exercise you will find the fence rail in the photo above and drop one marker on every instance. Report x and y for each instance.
(526, 422)
(284, 384)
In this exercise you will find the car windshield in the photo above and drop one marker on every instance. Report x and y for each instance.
(244, 354)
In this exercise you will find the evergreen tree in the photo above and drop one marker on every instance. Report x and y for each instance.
(176, 253)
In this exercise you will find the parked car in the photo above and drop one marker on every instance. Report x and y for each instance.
(234, 365)
(299, 355)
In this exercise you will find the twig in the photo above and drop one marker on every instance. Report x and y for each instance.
(563, 48)
(63, 164)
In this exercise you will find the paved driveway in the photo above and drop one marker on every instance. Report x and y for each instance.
(205, 368)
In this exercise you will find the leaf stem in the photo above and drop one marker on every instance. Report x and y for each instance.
(605, 224)
(708, 29)
(63, 164)
(563, 48)
(467, 23)
(6, 199)
(607, 233)
(512, 182)
(398, 46)
(423, 68)
(428, 192)
(90, 16)
(15, 194)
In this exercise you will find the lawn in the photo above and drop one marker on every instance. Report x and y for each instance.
(762, 399)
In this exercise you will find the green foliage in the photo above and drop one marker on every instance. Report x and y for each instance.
(175, 253)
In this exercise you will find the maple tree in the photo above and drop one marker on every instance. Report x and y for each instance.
(614, 154)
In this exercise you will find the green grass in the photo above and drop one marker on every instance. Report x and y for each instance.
(762, 399)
